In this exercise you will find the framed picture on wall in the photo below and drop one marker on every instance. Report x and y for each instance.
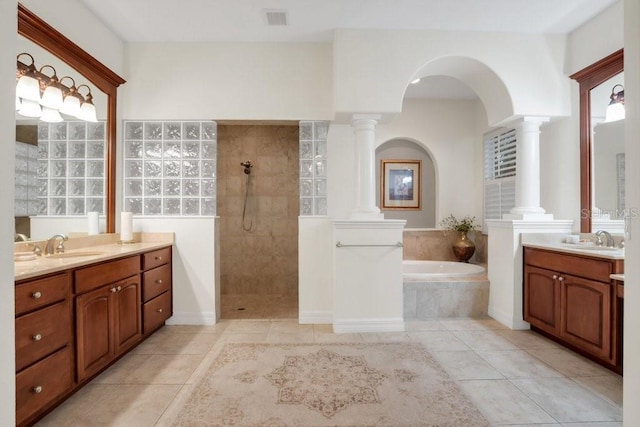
(400, 184)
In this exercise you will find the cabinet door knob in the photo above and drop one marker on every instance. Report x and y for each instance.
(37, 337)
(119, 288)
(159, 310)
(37, 389)
(36, 295)
(555, 276)
(113, 290)
(159, 281)
(561, 278)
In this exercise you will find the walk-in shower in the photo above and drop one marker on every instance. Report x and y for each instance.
(259, 203)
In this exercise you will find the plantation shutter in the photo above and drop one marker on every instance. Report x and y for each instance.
(499, 173)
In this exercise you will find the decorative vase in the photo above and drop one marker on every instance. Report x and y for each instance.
(463, 247)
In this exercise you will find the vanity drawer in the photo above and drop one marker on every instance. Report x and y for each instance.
(42, 383)
(589, 268)
(156, 281)
(156, 258)
(40, 293)
(156, 312)
(95, 276)
(42, 332)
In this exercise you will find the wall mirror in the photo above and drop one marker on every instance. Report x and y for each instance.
(70, 140)
(601, 147)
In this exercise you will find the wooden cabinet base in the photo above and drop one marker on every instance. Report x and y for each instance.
(73, 325)
(40, 385)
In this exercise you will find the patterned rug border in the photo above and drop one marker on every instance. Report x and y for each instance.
(228, 352)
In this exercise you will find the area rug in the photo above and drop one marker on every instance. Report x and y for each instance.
(342, 384)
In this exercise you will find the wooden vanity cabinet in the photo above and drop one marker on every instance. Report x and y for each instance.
(44, 343)
(572, 299)
(108, 318)
(156, 289)
(74, 324)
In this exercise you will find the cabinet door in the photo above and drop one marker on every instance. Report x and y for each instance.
(542, 299)
(128, 326)
(94, 333)
(586, 314)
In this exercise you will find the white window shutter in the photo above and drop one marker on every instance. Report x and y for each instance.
(499, 173)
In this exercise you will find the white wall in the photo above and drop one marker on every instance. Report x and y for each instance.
(632, 269)
(560, 139)
(595, 39)
(195, 268)
(450, 131)
(373, 67)
(8, 28)
(73, 19)
(248, 81)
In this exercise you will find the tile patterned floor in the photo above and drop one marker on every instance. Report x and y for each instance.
(514, 377)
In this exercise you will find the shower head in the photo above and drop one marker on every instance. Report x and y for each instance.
(247, 166)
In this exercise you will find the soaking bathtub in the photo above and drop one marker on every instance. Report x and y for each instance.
(425, 270)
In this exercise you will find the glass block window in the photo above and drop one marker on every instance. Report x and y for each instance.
(313, 168)
(71, 168)
(26, 179)
(170, 168)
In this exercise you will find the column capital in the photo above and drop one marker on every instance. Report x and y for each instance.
(372, 119)
(527, 120)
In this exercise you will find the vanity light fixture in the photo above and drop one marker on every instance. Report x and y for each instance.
(43, 95)
(71, 104)
(28, 86)
(615, 109)
(87, 109)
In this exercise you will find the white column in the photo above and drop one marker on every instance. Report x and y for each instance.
(527, 205)
(364, 129)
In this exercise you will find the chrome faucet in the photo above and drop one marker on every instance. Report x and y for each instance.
(59, 247)
(610, 242)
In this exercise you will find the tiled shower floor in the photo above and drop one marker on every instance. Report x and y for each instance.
(255, 306)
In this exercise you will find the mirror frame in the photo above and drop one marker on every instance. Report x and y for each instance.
(588, 78)
(39, 32)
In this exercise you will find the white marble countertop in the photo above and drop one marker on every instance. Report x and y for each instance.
(619, 277)
(91, 250)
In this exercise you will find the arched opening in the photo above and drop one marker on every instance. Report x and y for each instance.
(406, 149)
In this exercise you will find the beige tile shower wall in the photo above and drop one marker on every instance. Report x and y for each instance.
(436, 245)
(265, 259)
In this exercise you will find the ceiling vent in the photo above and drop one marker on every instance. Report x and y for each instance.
(276, 17)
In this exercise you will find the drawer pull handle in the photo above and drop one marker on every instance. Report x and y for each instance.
(37, 389)
(159, 281)
(159, 310)
(158, 258)
(37, 337)
(36, 295)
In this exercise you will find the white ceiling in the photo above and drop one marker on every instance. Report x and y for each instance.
(315, 20)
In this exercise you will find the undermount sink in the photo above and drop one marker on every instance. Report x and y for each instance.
(74, 254)
(592, 248)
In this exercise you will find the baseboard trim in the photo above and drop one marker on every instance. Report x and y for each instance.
(368, 325)
(315, 317)
(506, 320)
(191, 318)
